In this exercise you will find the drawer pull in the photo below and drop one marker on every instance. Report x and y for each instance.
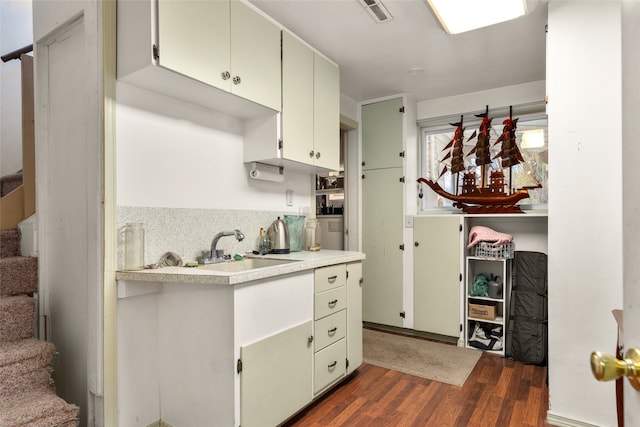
(332, 279)
(332, 331)
(332, 365)
(333, 303)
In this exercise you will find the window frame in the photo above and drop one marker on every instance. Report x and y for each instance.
(441, 125)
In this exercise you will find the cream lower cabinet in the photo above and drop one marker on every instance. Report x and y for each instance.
(275, 381)
(437, 278)
(330, 325)
(354, 316)
(283, 372)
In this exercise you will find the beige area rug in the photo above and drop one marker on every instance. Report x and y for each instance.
(427, 359)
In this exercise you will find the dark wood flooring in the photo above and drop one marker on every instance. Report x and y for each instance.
(498, 393)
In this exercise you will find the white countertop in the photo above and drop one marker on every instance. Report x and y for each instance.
(305, 260)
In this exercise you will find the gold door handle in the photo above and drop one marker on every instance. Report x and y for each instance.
(606, 367)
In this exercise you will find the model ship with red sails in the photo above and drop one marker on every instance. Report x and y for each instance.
(491, 194)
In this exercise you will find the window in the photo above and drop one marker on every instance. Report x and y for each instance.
(531, 138)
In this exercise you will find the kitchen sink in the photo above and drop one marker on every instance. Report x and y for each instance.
(246, 264)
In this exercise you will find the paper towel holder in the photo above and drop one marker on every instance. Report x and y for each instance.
(266, 172)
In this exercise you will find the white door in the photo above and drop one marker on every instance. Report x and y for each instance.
(631, 199)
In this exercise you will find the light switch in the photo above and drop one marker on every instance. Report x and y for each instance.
(289, 197)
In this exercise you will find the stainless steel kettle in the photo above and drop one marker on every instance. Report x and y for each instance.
(279, 237)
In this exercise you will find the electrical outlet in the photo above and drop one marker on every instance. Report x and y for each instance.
(408, 221)
(289, 197)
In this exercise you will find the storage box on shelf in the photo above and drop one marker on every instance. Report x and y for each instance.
(486, 305)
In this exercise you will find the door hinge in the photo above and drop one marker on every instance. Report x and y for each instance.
(363, 176)
(156, 53)
(401, 247)
(280, 144)
(460, 327)
(402, 314)
(239, 366)
(347, 274)
(402, 179)
(460, 277)
(401, 154)
(401, 110)
(347, 362)
(460, 226)
(361, 281)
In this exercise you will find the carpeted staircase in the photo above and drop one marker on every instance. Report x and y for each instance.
(8, 183)
(27, 390)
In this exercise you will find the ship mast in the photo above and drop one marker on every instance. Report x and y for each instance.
(483, 157)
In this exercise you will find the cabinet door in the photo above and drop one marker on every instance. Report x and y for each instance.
(297, 99)
(436, 275)
(256, 71)
(326, 113)
(382, 134)
(193, 39)
(276, 377)
(354, 315)
(382, 224)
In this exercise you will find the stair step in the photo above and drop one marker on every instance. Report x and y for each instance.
(25, 365)
(18, 275)
(16, 317)
(9, 243)
(37, 409)
(8, 183)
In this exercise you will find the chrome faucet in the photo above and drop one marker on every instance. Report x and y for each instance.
(217, 255)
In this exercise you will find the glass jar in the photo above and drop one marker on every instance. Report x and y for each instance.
(312, 233)
(134, 246)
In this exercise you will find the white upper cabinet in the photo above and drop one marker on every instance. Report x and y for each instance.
(202, 27)
(309, 136)
(219, 54)
(297, 99)
(326, 113)
(255, 69)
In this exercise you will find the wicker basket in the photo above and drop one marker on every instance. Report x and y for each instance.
(495, 250)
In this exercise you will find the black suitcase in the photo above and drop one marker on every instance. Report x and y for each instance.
(527, 335)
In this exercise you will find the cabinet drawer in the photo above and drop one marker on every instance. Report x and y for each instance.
(330, 364)
(330, 277)
(331, 301)
(330, 329)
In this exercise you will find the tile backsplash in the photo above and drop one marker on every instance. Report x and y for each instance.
(188, 232)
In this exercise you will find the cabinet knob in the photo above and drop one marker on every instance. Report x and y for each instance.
(416, 244)
(236, 80)
(225, 75)
(318, 155)
(311, 153)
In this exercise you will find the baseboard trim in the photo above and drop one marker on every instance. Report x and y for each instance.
(412, 332)
(558, 421)
(159, 423)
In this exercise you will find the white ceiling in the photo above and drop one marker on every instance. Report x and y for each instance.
(374, 58)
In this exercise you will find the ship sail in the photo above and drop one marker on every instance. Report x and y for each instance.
(509, 151)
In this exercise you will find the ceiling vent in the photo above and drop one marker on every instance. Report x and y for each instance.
(377, 10)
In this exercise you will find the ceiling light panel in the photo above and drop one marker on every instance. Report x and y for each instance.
(457, 16)
(376, 9)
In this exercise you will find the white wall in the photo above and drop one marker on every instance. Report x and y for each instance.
(15, 33)
(585, 202)
(176, 155)
(499, 97)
